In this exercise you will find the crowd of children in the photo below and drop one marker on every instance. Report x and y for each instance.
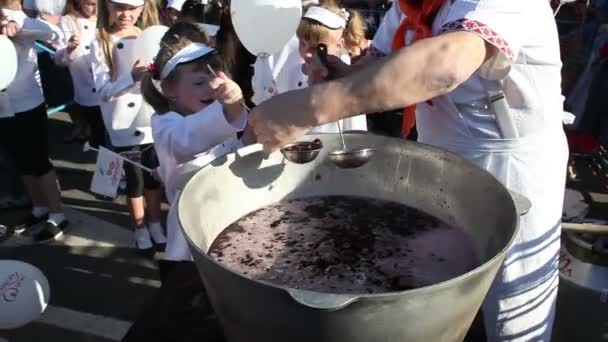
(184, 107)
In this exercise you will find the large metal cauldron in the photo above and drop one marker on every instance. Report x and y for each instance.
(426, 178)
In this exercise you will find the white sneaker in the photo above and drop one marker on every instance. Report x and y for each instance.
(158, 235)
(142, 239)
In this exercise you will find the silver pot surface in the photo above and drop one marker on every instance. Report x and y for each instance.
(432, 180)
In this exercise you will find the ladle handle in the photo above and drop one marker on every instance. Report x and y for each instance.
(341, 135)
(588, 228)
(322, 301)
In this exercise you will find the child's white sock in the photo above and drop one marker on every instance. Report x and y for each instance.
(156, 230)
(38, 212)
(56, 218)
(142, 238)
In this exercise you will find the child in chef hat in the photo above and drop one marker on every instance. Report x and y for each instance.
(125, 115)
(199, 112)
(343, 32)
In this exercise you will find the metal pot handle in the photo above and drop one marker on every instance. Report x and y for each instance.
(322, 301)
(522, 203)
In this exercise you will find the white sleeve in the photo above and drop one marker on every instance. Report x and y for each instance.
(42, 30)
(186, 137)
(62, 57)
(102, 75)
(498, 22)
(383, 39)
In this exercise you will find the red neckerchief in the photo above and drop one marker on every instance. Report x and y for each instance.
(420, 15)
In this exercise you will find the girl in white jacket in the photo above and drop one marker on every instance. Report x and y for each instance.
(24, 124)
(125, 114)
(79, 27)
(197, 114)
(324, 22)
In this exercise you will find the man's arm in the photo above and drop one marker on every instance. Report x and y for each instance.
(422, 71)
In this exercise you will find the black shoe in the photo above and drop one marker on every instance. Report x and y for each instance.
(29, 221)
(50, 232)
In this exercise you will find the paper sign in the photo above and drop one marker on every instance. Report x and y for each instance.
(108, 172)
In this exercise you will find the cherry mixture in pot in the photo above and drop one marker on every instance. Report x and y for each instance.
(340, 244)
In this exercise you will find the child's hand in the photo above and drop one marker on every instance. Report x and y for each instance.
(73, 43)
(225, 90)
(9, 28)
(138, 71)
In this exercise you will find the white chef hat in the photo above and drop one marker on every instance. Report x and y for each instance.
(176, 4)
(328, 18)
(51, 7)
(187, 54)
(309, 2)
(135, 3)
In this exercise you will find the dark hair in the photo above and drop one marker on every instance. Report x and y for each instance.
(209, 13)
(180, 35)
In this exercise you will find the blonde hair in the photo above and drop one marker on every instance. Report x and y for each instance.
(8, 3)
(71, 7)
(313, 32)
(180, 35)
(148, 17)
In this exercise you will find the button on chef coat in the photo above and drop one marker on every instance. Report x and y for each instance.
(125, 114)
(198, 138)
(79, 61)
(25, 92)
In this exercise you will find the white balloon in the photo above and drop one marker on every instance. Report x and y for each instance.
(148, 43)
(265, 26)
(24, 293)
(9, 62)
(52, 7)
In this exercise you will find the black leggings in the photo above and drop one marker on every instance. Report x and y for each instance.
(138, 179)
(25, 138)
(93, 116)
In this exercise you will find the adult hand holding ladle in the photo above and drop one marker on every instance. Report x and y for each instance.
(345, 158)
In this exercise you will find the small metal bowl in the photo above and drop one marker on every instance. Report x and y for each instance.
(351, 159)
(300, 157)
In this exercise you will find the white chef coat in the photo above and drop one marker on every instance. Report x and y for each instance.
(520, 304)
(285, 68)
(25, 92)
(199, 138)
(79, 61)
(125, 113)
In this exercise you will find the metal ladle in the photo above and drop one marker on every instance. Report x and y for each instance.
(345, 158)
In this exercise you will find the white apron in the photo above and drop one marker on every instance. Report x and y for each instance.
(520, 304)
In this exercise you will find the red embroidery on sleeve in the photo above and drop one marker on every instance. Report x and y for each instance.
(481, 30)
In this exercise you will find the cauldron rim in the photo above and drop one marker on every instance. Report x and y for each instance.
(421, 290)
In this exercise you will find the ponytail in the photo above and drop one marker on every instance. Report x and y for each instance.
(355, 40)
(152, 96)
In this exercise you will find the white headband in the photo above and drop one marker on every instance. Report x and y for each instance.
(210, 29)
(327, 17)
(135, 3)
(185, 55)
